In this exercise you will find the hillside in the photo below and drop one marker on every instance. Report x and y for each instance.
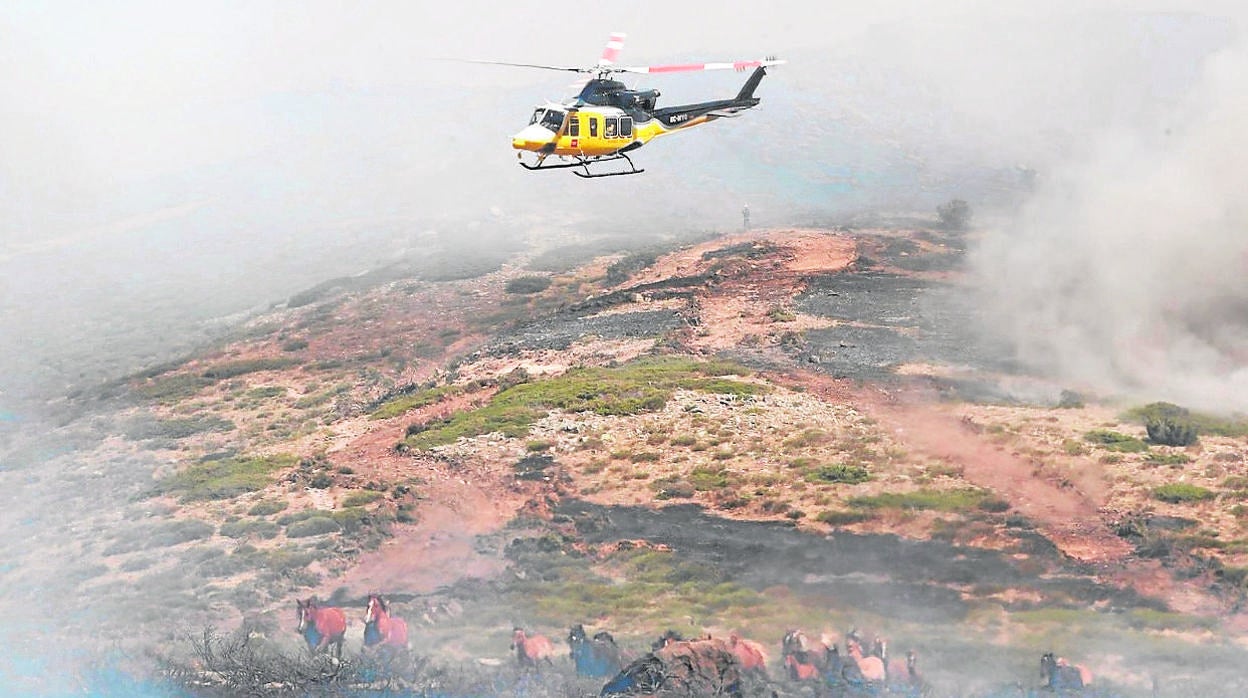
(749, 432)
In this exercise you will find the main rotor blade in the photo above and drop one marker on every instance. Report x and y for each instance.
(527, 65)
(692, 67)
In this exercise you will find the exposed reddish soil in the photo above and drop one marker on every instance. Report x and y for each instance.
(742, 299)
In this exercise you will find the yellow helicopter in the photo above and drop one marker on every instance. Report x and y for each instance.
(606, 121)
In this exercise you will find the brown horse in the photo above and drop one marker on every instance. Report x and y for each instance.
(381, 628)
(322, 627)
(804, 660)
(532, 651)
(750, 654)
(872, 667)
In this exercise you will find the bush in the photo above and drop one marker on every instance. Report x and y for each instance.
(1167, 458)
(935, 500)
(1069, 399)
(1115, 441)
(528, 284)
(360, 498)
(232, 369)
(954, 215)
(1171, 431)
(245, 528)
(267, 508)
(848, 474)
(673, 488)
(1234, 427)
(704, 479)
(223, 479)
(1181, 492)
(994, 505)
(842, 518)
(312, 526)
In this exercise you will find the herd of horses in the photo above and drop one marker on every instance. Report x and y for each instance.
(701, 666)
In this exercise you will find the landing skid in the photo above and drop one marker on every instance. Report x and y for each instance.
(584, 163)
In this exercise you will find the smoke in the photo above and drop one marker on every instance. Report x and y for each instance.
(1127, 270)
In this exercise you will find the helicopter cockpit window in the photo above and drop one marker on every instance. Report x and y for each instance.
(537, 115)
(552, 119)
(574, 125)
(626, 127)
(609, 125)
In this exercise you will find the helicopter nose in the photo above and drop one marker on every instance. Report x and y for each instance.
(532, 137)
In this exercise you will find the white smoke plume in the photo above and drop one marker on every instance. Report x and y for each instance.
(1127, 270)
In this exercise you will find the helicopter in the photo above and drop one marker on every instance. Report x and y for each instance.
(606, 121)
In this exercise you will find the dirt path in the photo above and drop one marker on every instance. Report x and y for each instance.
(1066, 515)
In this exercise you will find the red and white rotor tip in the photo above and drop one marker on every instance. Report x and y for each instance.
(692, 67)
(611, 51)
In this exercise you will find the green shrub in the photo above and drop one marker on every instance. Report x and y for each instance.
(312, 526)
(143, 429)
(781, 315)
(673, 488)
(353, 519)
(528, 284)
(223, 479)
(1171, 431)
(684, 440)
(994, 505)
(936, 500)
(640, 386)
(1181, 492)
(1167, 458)
(232, 369)
(954, 214)
(704, 479)
(839, 473)
(538, 446)
(843, 518)
(246, 528)
(161, 535)
(265, 392)
(407, 401)
(360, 498)
(1115, 441)
(172, 388)
(806, 439)
(267, 507)
(1070, 399)
(295, 345)
(1234, 427)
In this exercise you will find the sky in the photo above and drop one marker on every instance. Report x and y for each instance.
(164, 164)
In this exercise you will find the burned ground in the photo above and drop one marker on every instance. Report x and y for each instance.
(818, 471)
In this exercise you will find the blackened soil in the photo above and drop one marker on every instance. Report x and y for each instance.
(561, 331)
(885, 320)
(925, 581)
